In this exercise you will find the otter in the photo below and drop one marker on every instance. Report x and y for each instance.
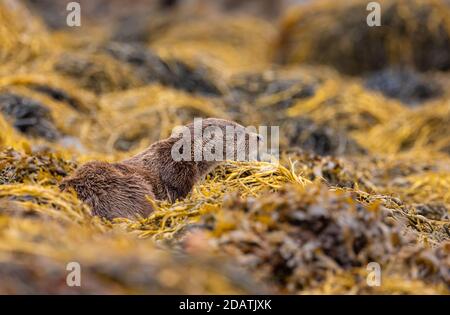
(122, 189)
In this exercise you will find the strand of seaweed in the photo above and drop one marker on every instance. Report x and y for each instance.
(249, 179)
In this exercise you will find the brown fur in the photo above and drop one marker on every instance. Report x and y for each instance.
(120, 189)
(111, 190)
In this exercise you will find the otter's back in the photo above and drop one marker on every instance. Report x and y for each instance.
(111, 190)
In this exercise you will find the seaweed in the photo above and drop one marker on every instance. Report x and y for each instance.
(406, 85)
(28, 116)
(295, 236)
(413, 131)
(319, 138)
(363, 174)
(170, 72)
(16, 20)
(272, 94)
(95, 72)
(17, 167)
(58, 95)
(412, 33)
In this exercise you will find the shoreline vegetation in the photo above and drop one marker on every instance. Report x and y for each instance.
(364, 168)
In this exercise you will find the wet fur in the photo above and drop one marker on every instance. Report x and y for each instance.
(120, 189)
(111, 190)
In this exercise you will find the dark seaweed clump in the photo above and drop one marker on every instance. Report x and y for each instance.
(172, 72)
(433, 210)
(58, 95)
(408, 86)
(250, 87)
(17, 167)
(305, 235)
(29, 116)
(96, 72)
(188, 78)
(319, 138)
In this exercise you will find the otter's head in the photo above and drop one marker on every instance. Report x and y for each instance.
(215, 140)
